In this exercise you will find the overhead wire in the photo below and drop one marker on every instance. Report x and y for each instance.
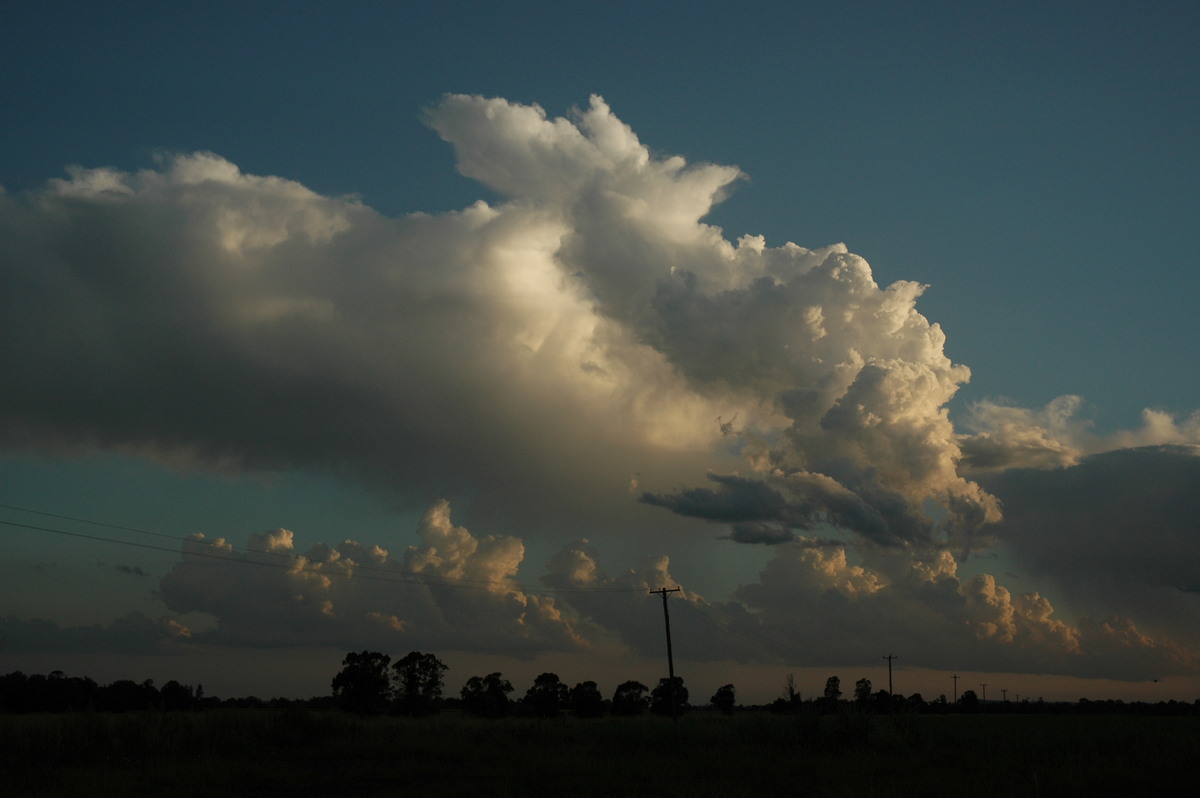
(283, 560)
(287, 561)
(756, 637)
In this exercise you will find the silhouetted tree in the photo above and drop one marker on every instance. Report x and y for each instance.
(53, 693)
(546, 696)
(862, 691)
(968, 701)
(585, 700)
(630, 699)
(176, 696)
(14, 692)
(723, 699)
(790, 702)
(72, 693)
(660, 697)
(125, 695)
(833, 692)
(487, 696)
(418, 683)
(362, 683)
(790, 694)
(884, 702)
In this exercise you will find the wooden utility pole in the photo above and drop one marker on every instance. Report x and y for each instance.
(889, 658)
(984, 686)
(955, 678)
(663, 591)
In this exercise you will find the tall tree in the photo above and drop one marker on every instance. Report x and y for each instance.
(547, 695)
(790, 693)
(724, 699)
(660, 697)
(418, 683)
(833, 691)
(487, 696)
(630, 699)
(177, 696)
(586, 701)
(362, 683)
(862, 691)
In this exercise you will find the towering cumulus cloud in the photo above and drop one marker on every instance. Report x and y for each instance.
(842, 384)
(246, 320)
(529, 356)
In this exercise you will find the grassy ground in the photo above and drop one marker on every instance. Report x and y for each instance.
(276, 753)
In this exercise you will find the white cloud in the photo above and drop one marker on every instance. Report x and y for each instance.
(1004, 436)
(815, 606)
(525, 358)
(199, 314)
(232, 318)
(453, 591)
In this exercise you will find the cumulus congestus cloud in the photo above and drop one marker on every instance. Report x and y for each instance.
(201, 313)
(195, 313)
(844, 379)
(526, 357)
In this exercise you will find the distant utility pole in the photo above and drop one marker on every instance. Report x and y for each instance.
(889, 658)
(955, 678)
(663, 591)
(1004, 694)
(984, 686)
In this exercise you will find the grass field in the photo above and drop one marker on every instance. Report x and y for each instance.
(306, 752)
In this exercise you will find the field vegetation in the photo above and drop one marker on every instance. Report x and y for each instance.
(388, 729)
(276, 752)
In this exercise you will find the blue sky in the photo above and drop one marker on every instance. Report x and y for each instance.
(1033, 164)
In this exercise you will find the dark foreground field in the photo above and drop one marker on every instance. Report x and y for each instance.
(305, 752)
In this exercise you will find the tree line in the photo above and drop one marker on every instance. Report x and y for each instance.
(414, 686)
(57, 692)
(370, 683)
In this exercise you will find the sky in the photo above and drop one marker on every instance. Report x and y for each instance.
(333, 327)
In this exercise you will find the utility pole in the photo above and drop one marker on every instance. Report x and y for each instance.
(955, 678)
(663, 591)
(889, 658)
(1004, 694)
(984, 686)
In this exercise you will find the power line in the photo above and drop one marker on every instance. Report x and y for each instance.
(756, 637)
(385, 576)
(284, 560)
(89, 521)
